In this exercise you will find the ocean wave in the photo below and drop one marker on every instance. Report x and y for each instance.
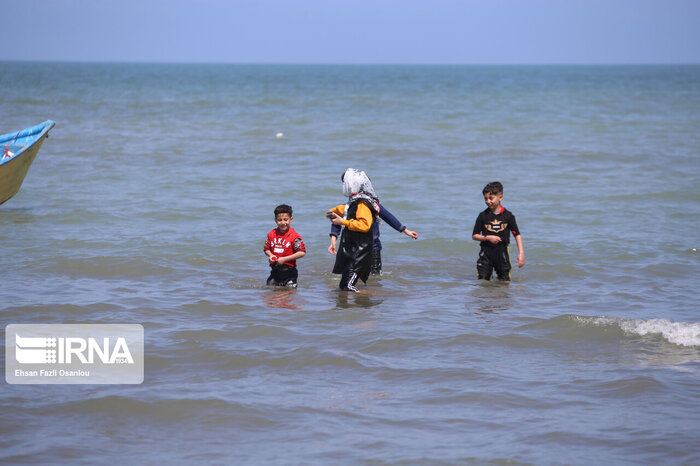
(606, 328)
(678, 333)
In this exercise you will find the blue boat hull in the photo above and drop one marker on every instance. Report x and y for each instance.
(17, 152)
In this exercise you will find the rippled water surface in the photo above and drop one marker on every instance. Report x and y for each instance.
(150, 203)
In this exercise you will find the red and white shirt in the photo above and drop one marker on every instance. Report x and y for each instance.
(284, 245)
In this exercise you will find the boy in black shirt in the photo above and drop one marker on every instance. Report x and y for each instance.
(492, 228)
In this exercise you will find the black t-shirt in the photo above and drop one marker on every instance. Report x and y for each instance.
(501, 224)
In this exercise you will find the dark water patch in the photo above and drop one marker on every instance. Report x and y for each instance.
(155, 411)
(629, 387)
(108, 267)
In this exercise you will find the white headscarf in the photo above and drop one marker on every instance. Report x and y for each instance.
(357, 185)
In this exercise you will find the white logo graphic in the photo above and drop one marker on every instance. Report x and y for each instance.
(279, 245)
(35, 350)
(42, 351)
(74, 354)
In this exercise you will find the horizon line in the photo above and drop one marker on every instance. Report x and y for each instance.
(302, 63)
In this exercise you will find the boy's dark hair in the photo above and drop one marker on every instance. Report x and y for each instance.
(494, 187)
(283, 209)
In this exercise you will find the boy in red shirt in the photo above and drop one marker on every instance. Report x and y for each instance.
(283, 247)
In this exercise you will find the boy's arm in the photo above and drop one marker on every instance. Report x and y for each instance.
(266, 248)
(389, 218)
(521, 251)
(270, 256)
(335, 232)
(493, 239)
(395, 223)
(299, 252)
(477, 236)
(518, 240)
(296, 255)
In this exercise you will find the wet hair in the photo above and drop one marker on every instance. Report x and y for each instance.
(283, 209)
(495, 187)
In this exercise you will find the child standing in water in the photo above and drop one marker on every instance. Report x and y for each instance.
(388, 217)
(492, 229)
(354, 254)
(283, 247)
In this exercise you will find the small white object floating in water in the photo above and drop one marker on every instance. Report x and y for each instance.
(279, 135)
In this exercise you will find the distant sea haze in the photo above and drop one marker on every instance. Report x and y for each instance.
(150, 202)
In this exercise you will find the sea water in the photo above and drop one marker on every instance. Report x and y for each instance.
(150, 202)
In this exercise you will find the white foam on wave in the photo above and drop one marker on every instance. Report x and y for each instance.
(678, 333)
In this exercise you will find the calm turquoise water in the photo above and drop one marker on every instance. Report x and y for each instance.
(150, 203)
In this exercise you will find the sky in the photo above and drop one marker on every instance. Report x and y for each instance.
(352, 31)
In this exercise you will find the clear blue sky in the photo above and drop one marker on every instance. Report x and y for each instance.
(352, 31)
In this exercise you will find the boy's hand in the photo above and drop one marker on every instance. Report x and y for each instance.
(411, 233)
(521, 260)
(493, 239)
(273, 260)
(331, 248)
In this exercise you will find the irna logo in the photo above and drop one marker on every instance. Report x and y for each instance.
(74, 353)
(51, 350)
